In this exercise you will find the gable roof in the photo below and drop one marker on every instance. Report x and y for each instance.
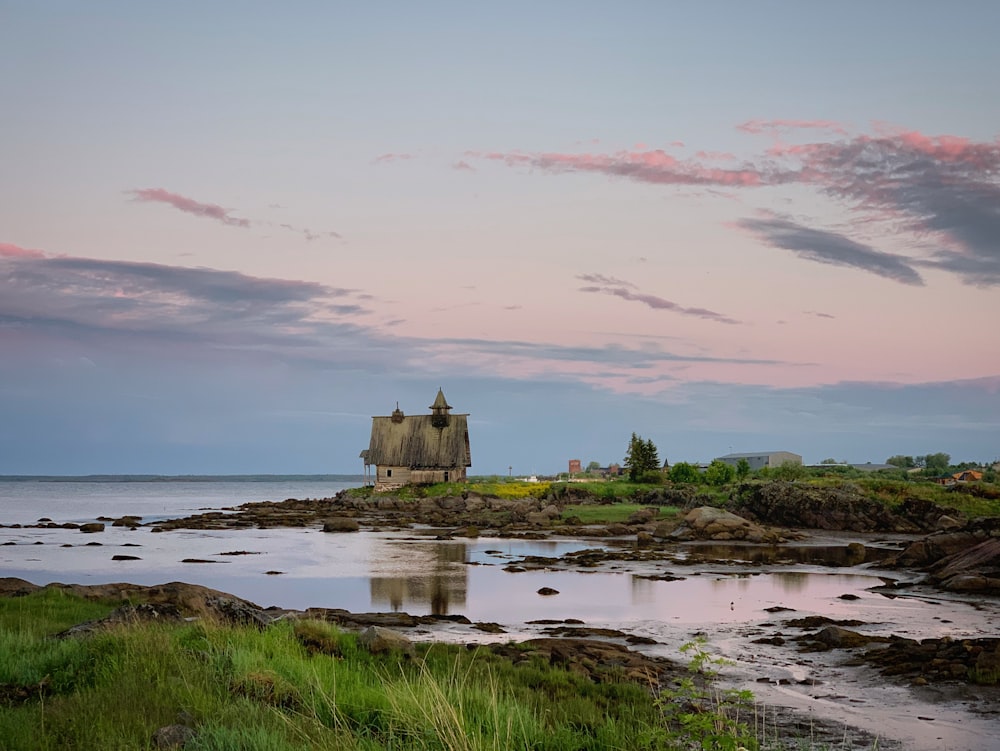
(416, 443)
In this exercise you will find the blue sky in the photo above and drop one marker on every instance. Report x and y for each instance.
(230, 233)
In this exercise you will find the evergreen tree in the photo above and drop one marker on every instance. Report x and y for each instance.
(640, 458)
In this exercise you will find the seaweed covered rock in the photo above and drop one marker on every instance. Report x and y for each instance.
(790, 504)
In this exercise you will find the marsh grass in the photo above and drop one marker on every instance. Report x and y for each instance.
(273, 689)
(612, 513)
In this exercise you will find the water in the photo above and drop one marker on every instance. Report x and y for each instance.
(405, 571)
(25, 501)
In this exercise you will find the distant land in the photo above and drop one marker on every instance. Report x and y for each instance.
(182, 478)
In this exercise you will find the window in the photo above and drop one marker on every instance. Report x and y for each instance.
(446, 477)
(388, 473)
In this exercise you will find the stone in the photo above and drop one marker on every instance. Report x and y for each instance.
(710, 523)
(378, 640)
(341, 524)
(538, 519)
(91, 527)
(172, 736)
(548, 591)
(948, 523)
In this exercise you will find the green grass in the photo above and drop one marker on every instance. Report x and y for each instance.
(299, 686)
(591, 513)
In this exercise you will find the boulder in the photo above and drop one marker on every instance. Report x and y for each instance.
(341, 524)
(710, 523)
(91, 527)
(378, 640)
(663, 529)
(172, 736)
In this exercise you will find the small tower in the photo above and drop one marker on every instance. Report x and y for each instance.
(397, 415)
(439, 411)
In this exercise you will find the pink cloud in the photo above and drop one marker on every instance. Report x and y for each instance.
(915, 187)
(772, 126)
(720, 156)
(391, 157)
(188, 205)
(461, 164)
(655, 166)
(7, 250)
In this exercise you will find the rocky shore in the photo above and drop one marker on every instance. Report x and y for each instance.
(932, 548)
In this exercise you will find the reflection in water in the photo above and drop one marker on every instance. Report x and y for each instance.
(436, 577)
(792, 581)
(823, 555)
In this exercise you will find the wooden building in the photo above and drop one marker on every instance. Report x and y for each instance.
(418, 449)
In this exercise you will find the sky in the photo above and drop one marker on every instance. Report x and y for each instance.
(231, 233)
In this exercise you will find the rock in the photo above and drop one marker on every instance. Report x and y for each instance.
(797, 505)
(241, 612)
(172, 736)
(121, 557)
(163, 613)
(378, 640)
(643, 516)
(644, 539)
(843, 638)
(856, 553)
(975, 568)
(341, 524)
(548, 591)
(663, 529)
(538, 519)
(489, 627)
(945, 523)
(127, 521)
(91, 527)
(710, 523)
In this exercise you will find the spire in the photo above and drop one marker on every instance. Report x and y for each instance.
(397, 414)
(440, 403)
(439, 411)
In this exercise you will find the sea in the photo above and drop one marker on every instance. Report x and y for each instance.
(26, 499)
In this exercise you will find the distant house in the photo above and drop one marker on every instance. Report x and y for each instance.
(761, 459)
(575, 466)
(418, 449)
(968, 475)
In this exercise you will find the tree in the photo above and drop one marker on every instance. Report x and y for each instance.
(788, 471)
(719, 473)
(593, 466)
(903, 462)
(742, 469)
(935, 463)
(684, 472)
(640, 458)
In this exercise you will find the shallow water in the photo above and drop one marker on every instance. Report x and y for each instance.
(727, 601)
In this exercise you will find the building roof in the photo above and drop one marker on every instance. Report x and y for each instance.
(438, 440)
(748, 454)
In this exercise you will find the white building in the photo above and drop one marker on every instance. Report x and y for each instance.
(761, 459)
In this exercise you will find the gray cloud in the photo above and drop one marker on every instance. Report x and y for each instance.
(96, 299)
(832, 248)
(618, 288)
(915, 188)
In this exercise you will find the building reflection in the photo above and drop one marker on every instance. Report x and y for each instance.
(436, 581)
